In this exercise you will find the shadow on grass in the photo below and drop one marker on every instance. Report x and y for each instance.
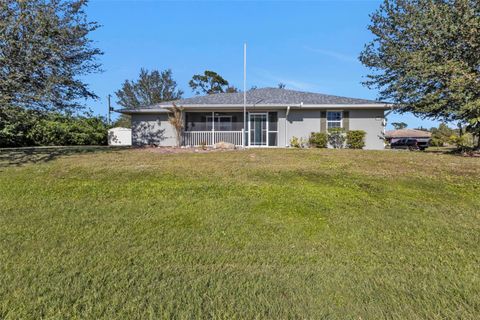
(12, 157)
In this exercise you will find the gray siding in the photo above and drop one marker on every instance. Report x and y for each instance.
(302, 122)
(152, 129)
(371, 121)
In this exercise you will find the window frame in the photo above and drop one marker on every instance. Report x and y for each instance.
(334, 121)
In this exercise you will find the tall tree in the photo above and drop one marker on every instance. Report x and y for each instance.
(210, 82)
(150, 88)
(425, 58)
(44, 52)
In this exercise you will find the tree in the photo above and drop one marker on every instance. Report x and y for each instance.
(231, 89)
(209, 82)
(425, 59)
(281, 85)
(150, 88)
(44, 53)
(399, 125)
(442, 135)
(176, 120)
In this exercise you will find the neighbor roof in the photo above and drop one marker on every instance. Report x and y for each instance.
(265, 97)
(407, 133)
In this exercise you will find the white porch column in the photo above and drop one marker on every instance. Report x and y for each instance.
(213, 128)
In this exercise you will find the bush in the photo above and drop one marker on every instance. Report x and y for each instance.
(295, 142)
(356, 139)
(318, 140)
(336, 137)
(20, 128)
(64, 130)
(464, 142)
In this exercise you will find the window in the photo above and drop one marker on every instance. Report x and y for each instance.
(334, 119)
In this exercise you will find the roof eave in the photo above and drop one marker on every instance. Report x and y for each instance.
(164, 108)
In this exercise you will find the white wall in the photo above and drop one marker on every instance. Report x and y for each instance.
(120, 137)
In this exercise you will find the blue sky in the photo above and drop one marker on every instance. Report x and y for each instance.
(311, 46)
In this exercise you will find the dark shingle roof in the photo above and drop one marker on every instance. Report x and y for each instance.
(264, 96)
(270, 96)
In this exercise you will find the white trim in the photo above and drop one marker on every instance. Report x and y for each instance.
(341, 120)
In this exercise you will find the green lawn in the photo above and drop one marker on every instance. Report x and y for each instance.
(258, 234)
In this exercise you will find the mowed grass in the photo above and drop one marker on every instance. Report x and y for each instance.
(257, 234)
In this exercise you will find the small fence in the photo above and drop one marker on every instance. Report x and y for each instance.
(209, 138)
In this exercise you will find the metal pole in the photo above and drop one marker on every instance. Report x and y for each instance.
(109, 110)
(244, 92)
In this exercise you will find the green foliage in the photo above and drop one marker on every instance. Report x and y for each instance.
(441, 135)
(123, 121)
(210, 82)
(336, 138)
(15, 123)
(296, 142)
(45, 53)
(29, 128)
(150, 88)
(318, 140)
(356, 139)
(425, 58)
(463, 142)
(399, 125)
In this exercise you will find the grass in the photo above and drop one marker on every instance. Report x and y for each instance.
(258, 234)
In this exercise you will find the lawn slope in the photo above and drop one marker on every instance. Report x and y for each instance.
(267, 234)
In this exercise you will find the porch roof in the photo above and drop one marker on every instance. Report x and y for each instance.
(270, 98)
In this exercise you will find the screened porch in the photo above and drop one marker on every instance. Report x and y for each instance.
(209, 128)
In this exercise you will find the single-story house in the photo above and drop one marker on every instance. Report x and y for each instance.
(395, 135)
(273, 117)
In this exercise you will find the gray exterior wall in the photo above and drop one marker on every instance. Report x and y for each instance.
(371, 121)
(302, 122)
(152, 129)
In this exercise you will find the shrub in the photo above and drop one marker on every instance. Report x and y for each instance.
(295, 142)
(57, 129)
(356, 139)
(464, 142)
(436, 142)
(336, 137)
(318, 140)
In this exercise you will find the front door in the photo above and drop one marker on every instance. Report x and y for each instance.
(258, 129)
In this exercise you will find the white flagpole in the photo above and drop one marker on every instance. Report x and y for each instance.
(245, 94)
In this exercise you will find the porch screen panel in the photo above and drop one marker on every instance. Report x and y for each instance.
(197, 121)
(220, 121)
(228, 121)
(272, 129)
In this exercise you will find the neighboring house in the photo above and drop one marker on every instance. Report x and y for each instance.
(395, 135)
(273, 117)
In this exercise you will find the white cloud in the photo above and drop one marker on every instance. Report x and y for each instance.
(333, 54)
(271, 80)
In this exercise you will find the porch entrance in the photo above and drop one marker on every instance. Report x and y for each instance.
(258, 129)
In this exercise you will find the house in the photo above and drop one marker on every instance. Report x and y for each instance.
(395, 135)
(273, 117)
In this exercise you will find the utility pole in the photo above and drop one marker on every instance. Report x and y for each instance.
(109, 110)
